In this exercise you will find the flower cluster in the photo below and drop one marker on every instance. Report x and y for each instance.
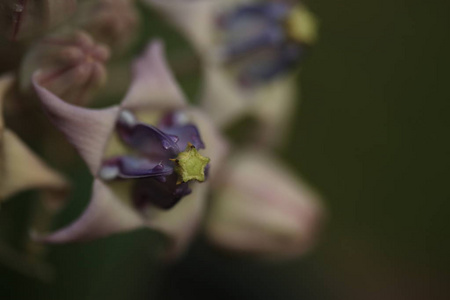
(156, 160)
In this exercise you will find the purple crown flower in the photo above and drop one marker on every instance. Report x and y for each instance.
(263, 39)
(250, 50)
(134, 186)
(158, 160)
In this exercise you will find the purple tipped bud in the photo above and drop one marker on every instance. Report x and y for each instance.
(72, 66)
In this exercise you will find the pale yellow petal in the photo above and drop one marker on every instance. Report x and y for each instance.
(105, 215)
(274, 107)
(6, 82)
(21, 169)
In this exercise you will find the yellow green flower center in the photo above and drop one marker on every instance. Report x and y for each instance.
(190, 165)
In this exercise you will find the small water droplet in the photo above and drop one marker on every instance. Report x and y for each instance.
(174, 138)
(166, 145)
(109, 172)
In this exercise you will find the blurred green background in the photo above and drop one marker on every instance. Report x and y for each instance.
(371, 135)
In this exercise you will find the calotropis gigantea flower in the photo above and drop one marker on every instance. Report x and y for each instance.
(20, 168)
(156, 183)
(251, 50)
(72, 65)
(24, 18)
(262, 209)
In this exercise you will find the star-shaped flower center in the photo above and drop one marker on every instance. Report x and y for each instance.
(190, 165)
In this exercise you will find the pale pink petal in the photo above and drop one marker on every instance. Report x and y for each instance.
(87, 129)
(182, 221)
(263, 209)
(21, 169)
(153, 85)
(105, 215)
(216, 146)
(193, 18)
(275, 105)
(222, 98)
(272, 105)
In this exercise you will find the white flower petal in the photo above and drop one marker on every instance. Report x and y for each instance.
(153, 85)
(181, 222)
(222, 98)
(21, 169)
(87, 129)
(216, 146)
(274, 107)
(105, 215)
(193, 18)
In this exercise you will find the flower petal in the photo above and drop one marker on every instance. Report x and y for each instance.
(104, 216)
(193, 18)
(275, 106)
(153, 84)
(133, 167)
(216, 147)
(149, 141)
(185, 134)
(262, 209)
(6, 82)
(272, 104)
(181, 222)
(222, 98)
(87, 129)
(21, 169)
(163, 192)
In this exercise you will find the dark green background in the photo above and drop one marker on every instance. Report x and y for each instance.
(371, 135)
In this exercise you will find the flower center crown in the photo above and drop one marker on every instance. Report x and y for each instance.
(161, 168)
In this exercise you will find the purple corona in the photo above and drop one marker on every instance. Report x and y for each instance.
(264, 40)
(155, 162)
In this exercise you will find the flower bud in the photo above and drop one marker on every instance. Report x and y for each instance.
(25, 18)
(72, 66)
(261, 209)
(112, 22)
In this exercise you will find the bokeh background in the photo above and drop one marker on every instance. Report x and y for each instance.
(371, 135)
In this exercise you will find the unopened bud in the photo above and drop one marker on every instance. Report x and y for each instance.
(72, 66)
(262, 210)
(113, 22)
